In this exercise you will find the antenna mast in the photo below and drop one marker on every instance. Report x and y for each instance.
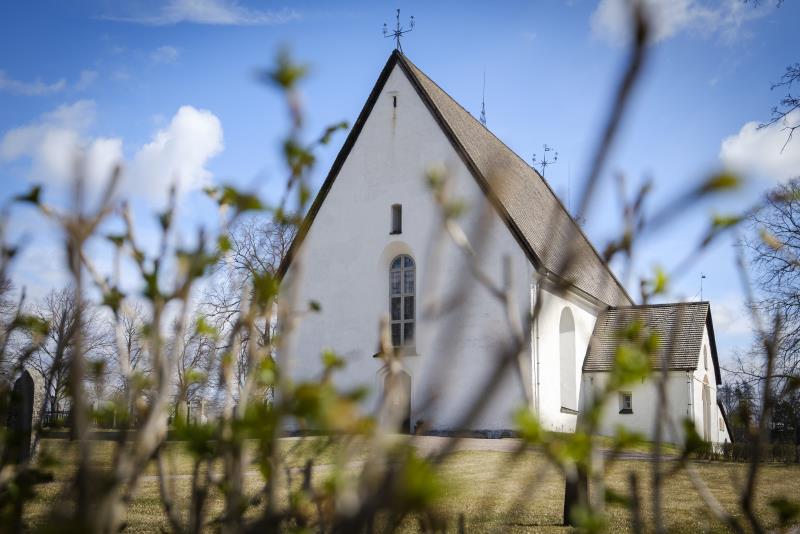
(398, 31)
(569, 188)
(702, 277)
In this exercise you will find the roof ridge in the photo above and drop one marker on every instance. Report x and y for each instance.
(661, 305)
(404, 59)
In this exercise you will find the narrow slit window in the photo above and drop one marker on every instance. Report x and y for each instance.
(394, 101)
(397, 219)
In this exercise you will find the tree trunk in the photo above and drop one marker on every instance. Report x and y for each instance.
(576, 495)
(797, 442)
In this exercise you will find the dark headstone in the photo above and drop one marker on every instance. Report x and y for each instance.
(20, 420)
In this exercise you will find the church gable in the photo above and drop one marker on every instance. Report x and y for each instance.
(379, 175)
(358, 267)
(538, 221)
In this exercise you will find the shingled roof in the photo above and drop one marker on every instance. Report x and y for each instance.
(679, 327)
(534, 214)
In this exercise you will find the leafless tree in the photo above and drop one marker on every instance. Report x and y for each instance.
(774, 247)
(132, 320)
(7, 303)
(195, 359)
(783, 113)
(257, 247)
(10, 340)
(68, 320)
(132, 348)
(790, 102)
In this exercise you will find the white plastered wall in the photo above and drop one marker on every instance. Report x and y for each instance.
(645, 404)
(344, 266)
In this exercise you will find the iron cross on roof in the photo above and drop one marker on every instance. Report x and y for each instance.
(398, 32)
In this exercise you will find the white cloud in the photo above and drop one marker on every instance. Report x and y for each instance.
(165, 54)
(611, 19)
(121, 75)
(102, 155)
(51, 141)
(36, 88)
(86, 79)
(731, 317)
(758, 151)
(40, 88)
(220, 12)
(177, 154)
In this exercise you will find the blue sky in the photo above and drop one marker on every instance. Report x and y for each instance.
(157, 83)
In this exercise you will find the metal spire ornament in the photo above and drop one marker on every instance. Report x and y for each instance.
(702, 277)
(483, 101)
(544, 162)
(398, 31)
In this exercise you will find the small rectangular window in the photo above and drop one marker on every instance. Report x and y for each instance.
(394, 101)
(397, 219)
(625, 402)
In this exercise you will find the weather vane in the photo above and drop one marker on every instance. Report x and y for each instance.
(398, 31)
(483, 101)
(544, 162)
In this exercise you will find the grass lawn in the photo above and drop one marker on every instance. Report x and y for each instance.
(492, 489)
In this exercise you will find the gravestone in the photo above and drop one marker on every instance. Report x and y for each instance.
(20, 420)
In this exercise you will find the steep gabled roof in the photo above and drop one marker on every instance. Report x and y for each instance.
(530, 209)
(678, 325)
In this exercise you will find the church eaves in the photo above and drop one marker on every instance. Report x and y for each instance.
(531, 210)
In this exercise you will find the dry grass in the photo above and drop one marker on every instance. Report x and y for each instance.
(494, 490)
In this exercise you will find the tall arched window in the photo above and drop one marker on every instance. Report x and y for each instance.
(566, 347)
(403, 289)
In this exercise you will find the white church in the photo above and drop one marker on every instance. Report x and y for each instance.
(372, 246)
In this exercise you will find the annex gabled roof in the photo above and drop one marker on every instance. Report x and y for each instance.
(529, 207)
(679, 327)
